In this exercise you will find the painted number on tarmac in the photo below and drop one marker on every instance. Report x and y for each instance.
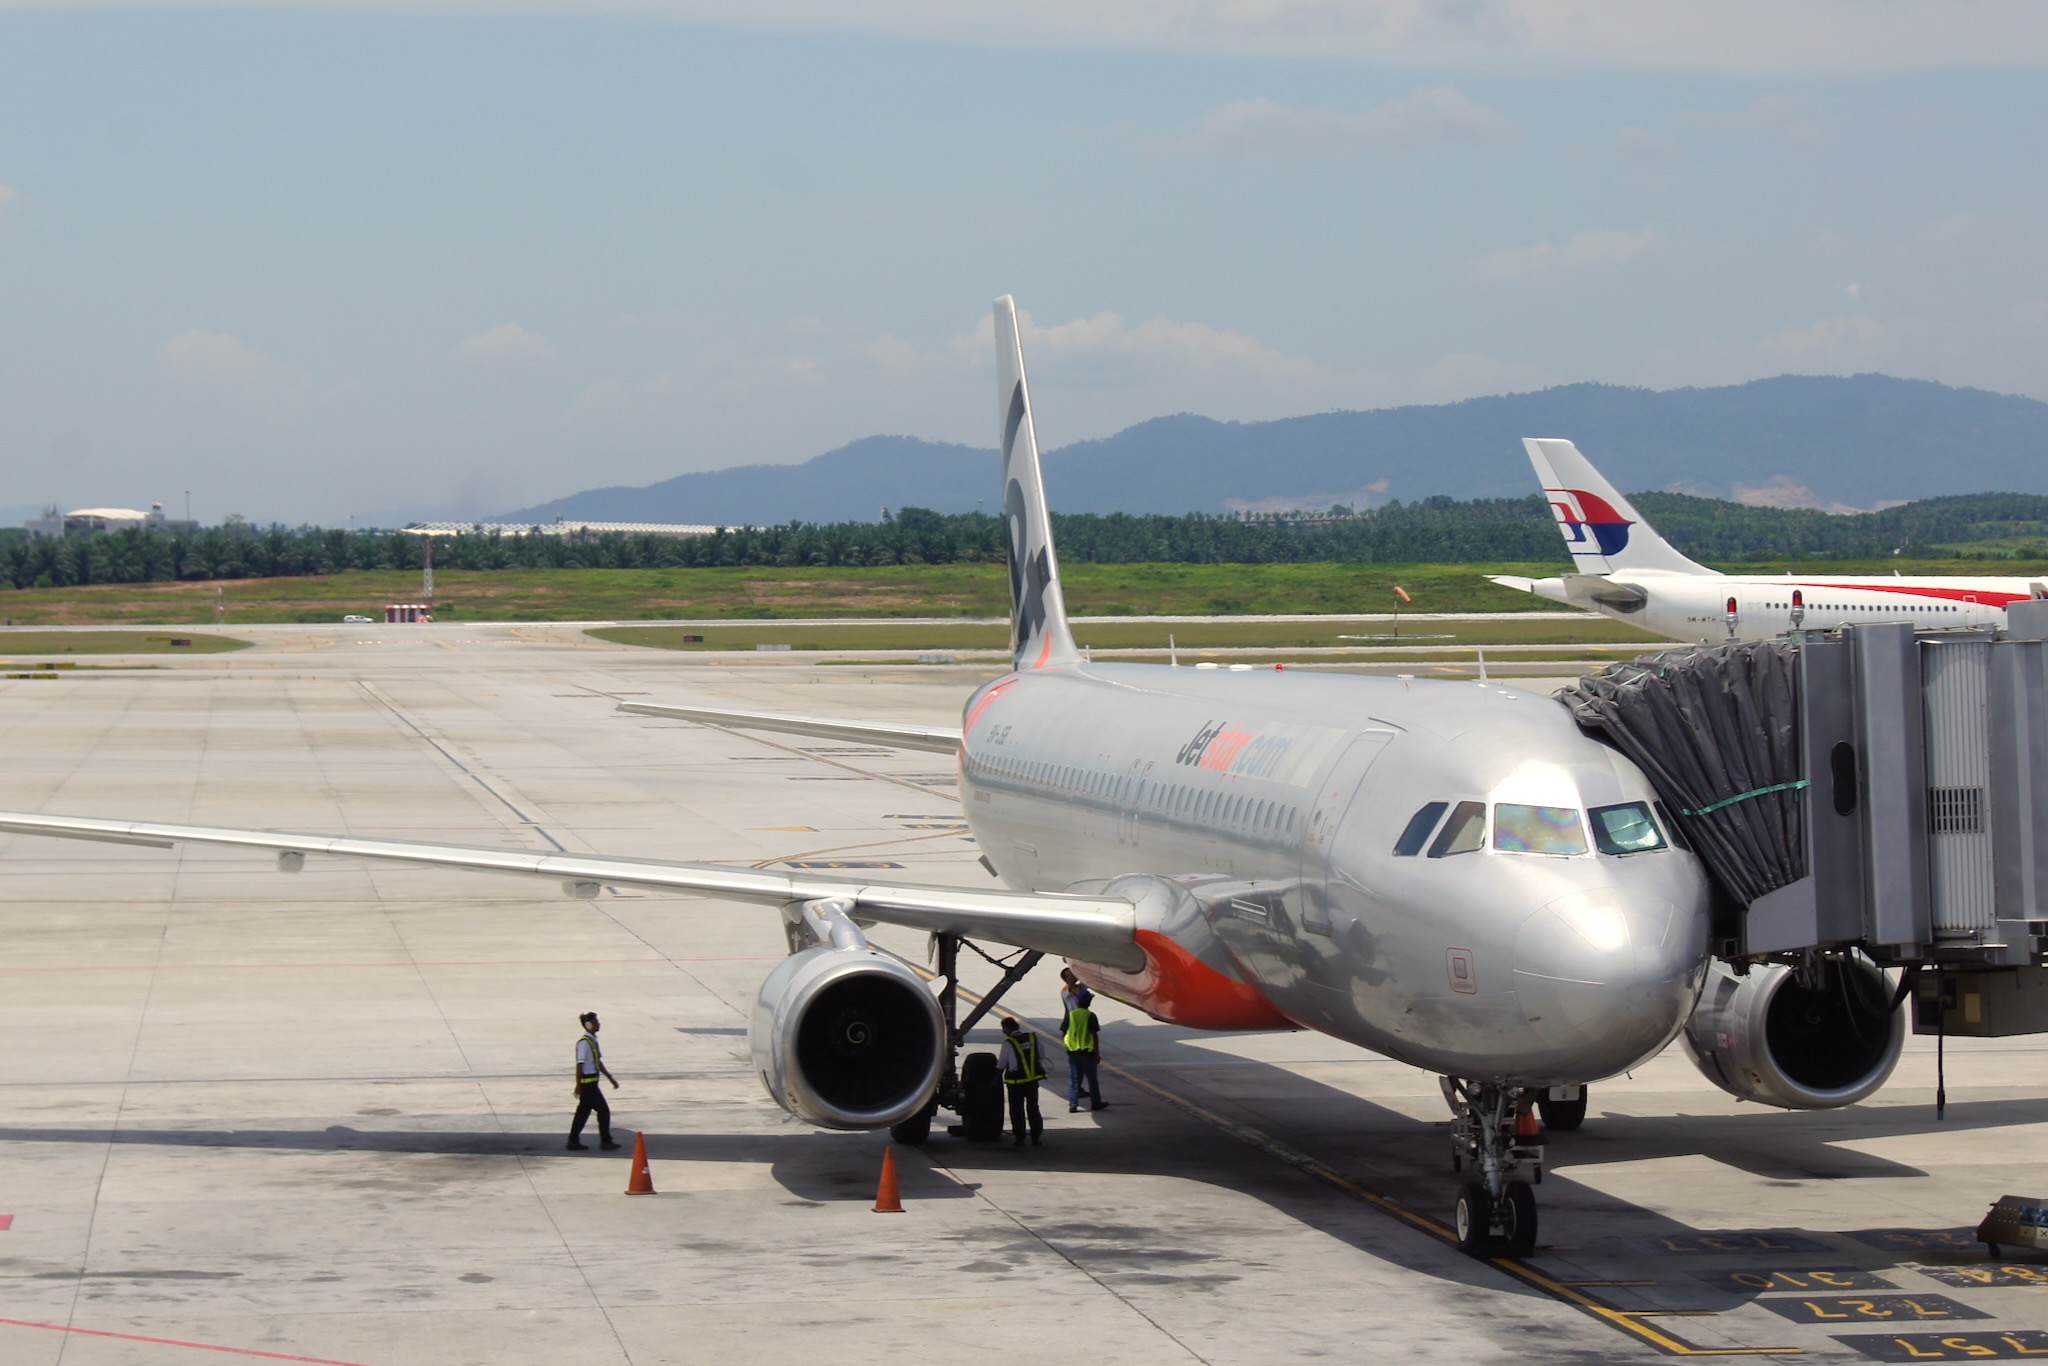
(1823, 1279)
(1971, 1277)
(1918, 1239)
(2014, 1346)
(1737, 1240)
(1850, 1309)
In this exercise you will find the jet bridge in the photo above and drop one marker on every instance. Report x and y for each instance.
(1874, 791)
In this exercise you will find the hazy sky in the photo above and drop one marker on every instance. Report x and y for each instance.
(315, 260)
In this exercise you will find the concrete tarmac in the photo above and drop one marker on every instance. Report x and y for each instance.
(320, 1116)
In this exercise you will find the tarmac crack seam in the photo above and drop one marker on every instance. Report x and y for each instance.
(980, 1189)
(405, 720)
(532, 822)
(833, 763)
(99, 1184)
(1622, 1320)
(526, 1170)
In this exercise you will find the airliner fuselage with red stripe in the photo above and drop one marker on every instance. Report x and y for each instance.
(1716, 607)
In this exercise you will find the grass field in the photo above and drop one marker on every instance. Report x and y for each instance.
(764, 594)
(1136, 634)
(39, 645)
(953, 590)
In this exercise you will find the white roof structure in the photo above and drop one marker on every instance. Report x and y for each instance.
(558, 527)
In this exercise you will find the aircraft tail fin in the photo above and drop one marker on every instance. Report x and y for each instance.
(1038, 611)
(1601, 529)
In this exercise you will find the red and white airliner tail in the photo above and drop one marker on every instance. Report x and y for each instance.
(1627, 571)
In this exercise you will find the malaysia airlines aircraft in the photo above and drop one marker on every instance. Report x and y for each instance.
(1627, 571)
(1451, 875)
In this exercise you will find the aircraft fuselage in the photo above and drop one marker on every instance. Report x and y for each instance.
(1696, 606)
(1267, 809)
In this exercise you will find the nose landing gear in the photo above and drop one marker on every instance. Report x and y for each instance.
(1495, 1214)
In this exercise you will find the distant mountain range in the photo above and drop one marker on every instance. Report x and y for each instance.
(1836, 443)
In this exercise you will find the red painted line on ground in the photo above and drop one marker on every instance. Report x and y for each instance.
(176, 1342)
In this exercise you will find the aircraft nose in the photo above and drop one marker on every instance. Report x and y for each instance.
(1607, 976)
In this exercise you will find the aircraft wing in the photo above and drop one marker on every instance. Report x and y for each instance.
(1093, 929)
(937, 739)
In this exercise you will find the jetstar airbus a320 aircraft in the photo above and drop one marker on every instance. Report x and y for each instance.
(1627, 571)
(1448, 874)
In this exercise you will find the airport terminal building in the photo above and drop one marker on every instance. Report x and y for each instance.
(54, 524)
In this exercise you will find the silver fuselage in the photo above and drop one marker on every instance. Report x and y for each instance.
(1270, 803)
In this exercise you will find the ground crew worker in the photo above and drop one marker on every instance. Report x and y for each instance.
(1073, 991)
(589, 1067)
(1022, 1071)
(1084, 1053)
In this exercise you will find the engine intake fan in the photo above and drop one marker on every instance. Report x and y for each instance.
(1800, 1039)
(847, 1038)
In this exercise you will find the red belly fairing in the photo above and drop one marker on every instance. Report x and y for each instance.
(1179, 988)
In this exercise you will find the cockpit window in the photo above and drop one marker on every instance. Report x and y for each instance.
(1625, 829)
(1419, 825)
(1521, 829)
(1677, 835)
(1463, 833)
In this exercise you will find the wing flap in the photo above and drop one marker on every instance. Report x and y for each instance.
(1093, 929)
(936, 739)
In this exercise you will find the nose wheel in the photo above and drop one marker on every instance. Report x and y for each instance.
(1494, 1135)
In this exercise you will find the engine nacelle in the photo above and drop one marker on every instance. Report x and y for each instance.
(847, 1038)
(1770, 1038)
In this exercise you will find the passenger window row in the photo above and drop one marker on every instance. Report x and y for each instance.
(1239, 811)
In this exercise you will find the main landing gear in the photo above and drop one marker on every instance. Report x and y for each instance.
(1494, 1133)
(971, 1087)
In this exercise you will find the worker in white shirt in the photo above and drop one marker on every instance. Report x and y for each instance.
(589, 1068)
(1023, 1069)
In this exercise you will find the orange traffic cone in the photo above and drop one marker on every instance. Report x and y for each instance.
(642, 1182)
(1528, 1128)
(887, 1199)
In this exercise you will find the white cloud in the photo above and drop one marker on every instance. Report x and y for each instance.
(1783, 491)
(1433, 117)
(1643, 147)
(506, 341)
(1774, 116)
(1103, 348)
(1834, 345)
(217, 384)
(220, 358)
(9, 197)
(1595, 249)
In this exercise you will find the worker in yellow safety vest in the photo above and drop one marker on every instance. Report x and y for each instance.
(1084, 1054)
(1023, 1069)
(589, 1099)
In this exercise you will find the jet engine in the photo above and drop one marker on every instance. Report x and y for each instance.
(1801, 1039)
(846, 1037)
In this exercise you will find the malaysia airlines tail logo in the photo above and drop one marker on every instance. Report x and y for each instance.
(1590, 523)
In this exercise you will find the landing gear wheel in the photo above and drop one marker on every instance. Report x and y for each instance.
(915, 1130)
(981, 1097)
(1472, 1217)
(1518, 1220)
(1563, 1115)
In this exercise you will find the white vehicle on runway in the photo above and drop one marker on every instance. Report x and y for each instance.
(1627, 571)
(1453, 876)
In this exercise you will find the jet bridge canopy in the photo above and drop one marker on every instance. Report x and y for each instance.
(1870, 788)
